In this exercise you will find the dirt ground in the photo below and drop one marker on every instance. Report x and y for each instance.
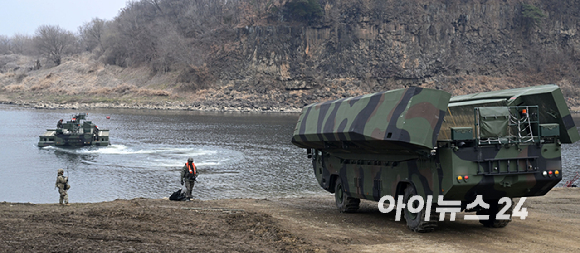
(310, 224)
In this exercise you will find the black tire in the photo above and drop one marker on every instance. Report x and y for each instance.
(416, 221)
(344, 203)
(494, 208)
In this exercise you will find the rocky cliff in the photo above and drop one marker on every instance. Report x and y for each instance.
(363, 46)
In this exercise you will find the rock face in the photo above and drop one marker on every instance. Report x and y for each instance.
(363, 46)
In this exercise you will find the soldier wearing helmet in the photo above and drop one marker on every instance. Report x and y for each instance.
(188, 175)
(63, 186)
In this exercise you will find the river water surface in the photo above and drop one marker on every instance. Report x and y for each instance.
(238, 155)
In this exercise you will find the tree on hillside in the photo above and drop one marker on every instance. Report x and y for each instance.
(4, 45)
(532, 15)
(165, 35)
(53, 42)
(131, 38)
(175, 51)
(21, 44)
(91, 34)
(304, 9)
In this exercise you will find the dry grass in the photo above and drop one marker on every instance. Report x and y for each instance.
(157, 93)
(81, 76)
(41, 86)
(15, 88)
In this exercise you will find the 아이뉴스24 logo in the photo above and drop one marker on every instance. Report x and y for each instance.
(416, 203)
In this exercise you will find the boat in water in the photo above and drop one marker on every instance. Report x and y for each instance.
(76, 132)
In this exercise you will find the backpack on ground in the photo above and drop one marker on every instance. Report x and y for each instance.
(179, 195)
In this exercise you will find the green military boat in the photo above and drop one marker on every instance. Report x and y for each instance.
(74, 133)
(490, 146)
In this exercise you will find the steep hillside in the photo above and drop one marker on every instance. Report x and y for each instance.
(458, 46)
(258, 56)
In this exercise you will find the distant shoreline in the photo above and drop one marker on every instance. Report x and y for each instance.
(162, 106)
(151, 106)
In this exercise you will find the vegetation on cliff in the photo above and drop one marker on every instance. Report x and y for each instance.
(287, 53)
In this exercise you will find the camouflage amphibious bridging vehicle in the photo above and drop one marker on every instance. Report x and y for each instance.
(419, 141)
(75, 132)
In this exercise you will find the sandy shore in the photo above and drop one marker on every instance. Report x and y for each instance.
(310, 224)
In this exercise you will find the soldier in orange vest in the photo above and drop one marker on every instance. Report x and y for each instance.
(188, 175)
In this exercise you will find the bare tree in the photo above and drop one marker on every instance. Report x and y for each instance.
(22, 44)
(53, 42)
(5, 45)
(177, 52)
(132, 35)
(91, 34)
(169, 35)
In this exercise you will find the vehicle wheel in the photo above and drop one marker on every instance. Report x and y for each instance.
(344, 203)
(416, 221)
(492, 212)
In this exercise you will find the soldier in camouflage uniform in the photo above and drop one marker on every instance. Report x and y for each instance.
(188, 175)
(62, 185)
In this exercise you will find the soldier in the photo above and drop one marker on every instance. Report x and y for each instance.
(188, 174)
(63, 186)
(59, 124)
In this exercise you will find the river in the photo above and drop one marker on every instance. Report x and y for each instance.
(238, 155)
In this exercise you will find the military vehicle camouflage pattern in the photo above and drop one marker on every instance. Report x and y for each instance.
(418, 141)
(75, 132)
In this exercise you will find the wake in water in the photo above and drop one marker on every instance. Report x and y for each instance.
(147, 156)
